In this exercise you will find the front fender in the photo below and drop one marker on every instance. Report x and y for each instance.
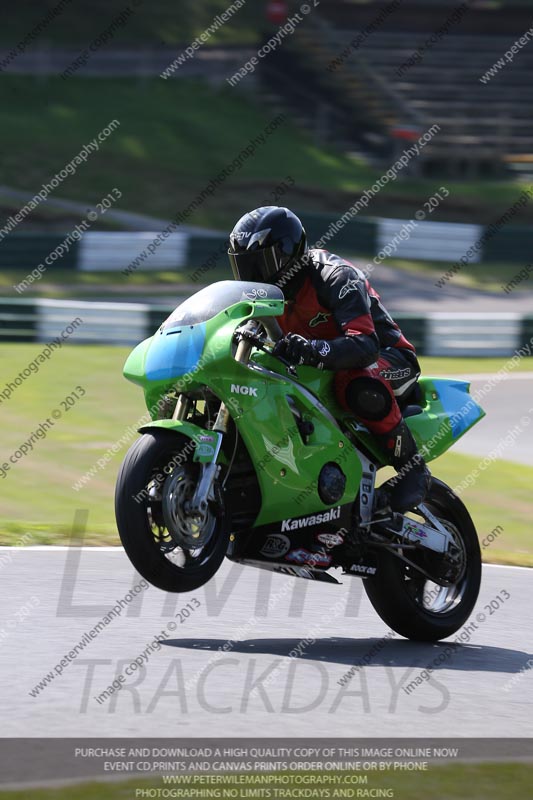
(205, 442)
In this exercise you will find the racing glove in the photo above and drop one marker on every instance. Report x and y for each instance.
(301, 351)
(344, 352)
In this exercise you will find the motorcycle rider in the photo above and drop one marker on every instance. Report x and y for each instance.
(335, 320)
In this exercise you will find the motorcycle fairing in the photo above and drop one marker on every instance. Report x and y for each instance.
(305, 540)
(174, 352)
(448, 412)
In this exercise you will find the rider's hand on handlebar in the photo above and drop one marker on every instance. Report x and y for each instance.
(298, 350)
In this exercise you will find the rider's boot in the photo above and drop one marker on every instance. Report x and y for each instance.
(410, 486)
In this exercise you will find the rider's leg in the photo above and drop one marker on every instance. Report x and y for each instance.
(371, 397)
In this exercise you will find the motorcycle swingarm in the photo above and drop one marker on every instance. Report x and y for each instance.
(432, 537)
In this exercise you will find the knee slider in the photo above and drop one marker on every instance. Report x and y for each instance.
(368, 398)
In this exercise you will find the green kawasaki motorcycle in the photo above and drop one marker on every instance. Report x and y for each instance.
(250, 459)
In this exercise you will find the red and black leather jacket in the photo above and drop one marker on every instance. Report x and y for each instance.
(336, 303)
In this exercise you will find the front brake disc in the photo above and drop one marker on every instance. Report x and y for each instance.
(189, 532)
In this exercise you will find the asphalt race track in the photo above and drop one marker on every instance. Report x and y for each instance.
(507, 404)
(191, 686)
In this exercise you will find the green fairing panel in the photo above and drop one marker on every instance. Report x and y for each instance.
(134, 367)
(448, 410)
(287, 467)
(448, 413)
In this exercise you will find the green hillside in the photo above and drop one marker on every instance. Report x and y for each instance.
(150, 23)
(176, 136)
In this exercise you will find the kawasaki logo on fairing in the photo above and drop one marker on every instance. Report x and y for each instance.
(315, 519)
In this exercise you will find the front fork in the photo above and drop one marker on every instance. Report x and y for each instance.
(205, 487)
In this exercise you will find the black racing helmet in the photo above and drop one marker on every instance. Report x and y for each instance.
(265, 244)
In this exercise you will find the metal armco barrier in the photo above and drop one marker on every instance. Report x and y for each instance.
(112, 251)
(473, 334)
(433, 334)
(198, 253)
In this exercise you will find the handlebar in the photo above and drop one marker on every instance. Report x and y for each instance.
(258, 340)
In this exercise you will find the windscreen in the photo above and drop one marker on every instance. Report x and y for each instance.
(209, 302)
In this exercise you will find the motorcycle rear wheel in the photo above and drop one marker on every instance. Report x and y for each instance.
(399, 593)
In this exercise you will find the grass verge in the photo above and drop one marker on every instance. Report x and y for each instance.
(491, 276)
(470, 366)
(74, 285)
(506, 781)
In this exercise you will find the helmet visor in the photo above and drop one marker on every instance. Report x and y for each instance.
(255, 265)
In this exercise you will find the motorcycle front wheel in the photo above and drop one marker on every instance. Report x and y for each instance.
(171, 549)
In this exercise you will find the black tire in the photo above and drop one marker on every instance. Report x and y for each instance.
(151, 552)
(396, 591)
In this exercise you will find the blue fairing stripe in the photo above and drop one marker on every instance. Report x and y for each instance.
(459, 405)
(175, 352)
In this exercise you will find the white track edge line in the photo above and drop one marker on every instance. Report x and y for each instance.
(60, 548)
